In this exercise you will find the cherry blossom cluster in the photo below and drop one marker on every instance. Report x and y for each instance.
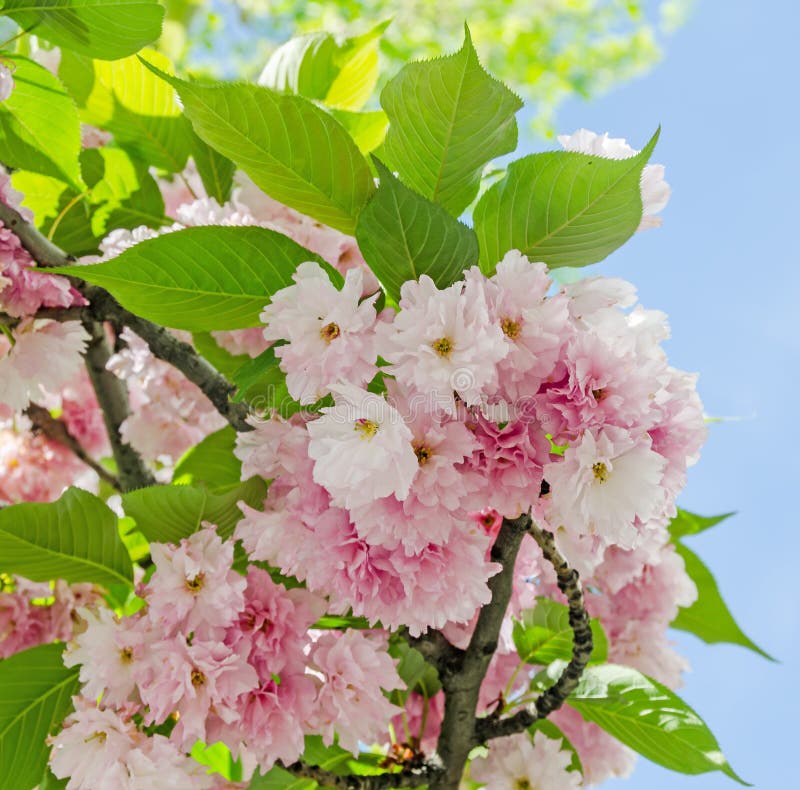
(34, 614)
(223, 657)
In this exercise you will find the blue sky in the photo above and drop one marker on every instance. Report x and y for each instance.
(725, 268)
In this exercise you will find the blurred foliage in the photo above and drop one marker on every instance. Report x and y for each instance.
(547, 50)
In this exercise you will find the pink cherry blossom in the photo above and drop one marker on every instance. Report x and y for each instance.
(370, 433)
(330, 333)
(604, 484)
(45, 356)
(443, 341)
(194, 589)
(355, 669)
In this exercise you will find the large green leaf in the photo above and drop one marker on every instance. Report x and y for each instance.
(340, 73)
(105, 29)
(35, 696)
(686, 523)
(200, 279)
(292, 149)
(278, 778)
(649, 718)
(561, 207)
(127, 99)
(709, 617)
(166, 514)
(402, 236)
(74, 538)
(39, 127)
(447, 119)
(544, 634)
(210, 463)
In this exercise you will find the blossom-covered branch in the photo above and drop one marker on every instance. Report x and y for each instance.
(112, 396)
(103, 307)
(44, 423)
(554, 697)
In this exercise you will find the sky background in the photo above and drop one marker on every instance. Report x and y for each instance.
(724, 266)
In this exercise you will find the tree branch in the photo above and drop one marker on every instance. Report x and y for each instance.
(112, 396)
(104, 307)
(554, 697)
(462, 682)
(410, 777)
(43, 422)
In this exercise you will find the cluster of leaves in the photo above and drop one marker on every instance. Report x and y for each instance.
(549, 50)
(306, 140)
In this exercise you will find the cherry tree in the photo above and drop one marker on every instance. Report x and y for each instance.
(315, 466)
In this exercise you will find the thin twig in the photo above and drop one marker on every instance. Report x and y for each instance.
(410, 777)
(554, 697)
(55, 430)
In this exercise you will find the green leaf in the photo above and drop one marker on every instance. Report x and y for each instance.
(167, 514)
(356, 61)
(262, 383)
(340, 622)
(709, 618)
(415, 672)
(648, 718)
(105, 29)
(35, 696)
(210, 463)
(50, 198)
(74, 538)
(219, 759)
(448, 118)
(39, 127)
(121, 194)
(200, 279)
(341, 74)
(122, 191)
(292, 149)
(553, 732)
(368, 128)
(561, 207)
(544, 634)
(403, 236)
(686, 523)
(215, 170)
(279, 779)
(127, 99)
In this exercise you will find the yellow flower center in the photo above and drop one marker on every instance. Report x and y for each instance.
(329, 332)
(600, 471)
(511, 328)
(367, 428)
(423, 454)
(598, 395)
(126, 655)
(443, 346)
(198, 678)
(196, 584)
(522, 784)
